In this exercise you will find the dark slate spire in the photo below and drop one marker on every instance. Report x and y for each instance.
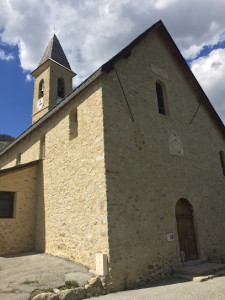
(55, 52)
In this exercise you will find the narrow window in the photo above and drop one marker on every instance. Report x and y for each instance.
(222, 161)
(6, 204)
(42, 147)
(18, 159)
(61, 89)
(41, 89)
(73, 124)
(160, 99)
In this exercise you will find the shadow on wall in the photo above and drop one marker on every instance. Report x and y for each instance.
(40, 212)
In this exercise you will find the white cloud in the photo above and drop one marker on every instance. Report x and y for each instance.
(210, 72)
(162, 4)
(28, 77)
(4, 56)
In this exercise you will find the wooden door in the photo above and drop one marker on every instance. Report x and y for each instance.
(186, 230)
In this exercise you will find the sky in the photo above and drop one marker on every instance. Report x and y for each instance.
(91, 32)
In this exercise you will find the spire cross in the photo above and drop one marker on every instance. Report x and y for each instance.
(53, 28)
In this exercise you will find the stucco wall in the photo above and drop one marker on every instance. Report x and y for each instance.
(17, 233)
(144, 181)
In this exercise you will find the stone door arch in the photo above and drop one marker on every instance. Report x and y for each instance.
(186, 230)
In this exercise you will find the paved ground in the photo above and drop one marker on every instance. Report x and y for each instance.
(174, 289)
(18, 272)
(19, 275)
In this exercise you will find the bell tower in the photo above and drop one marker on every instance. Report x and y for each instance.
(53, 79)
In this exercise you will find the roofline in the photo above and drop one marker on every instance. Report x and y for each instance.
(90, 79)
(125, 52)
(50, 59)
(107, 67)
(203, 97)
(19, 167)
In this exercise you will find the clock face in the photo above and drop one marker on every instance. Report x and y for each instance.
(40, 104)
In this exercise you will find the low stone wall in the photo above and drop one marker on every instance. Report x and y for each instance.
(96, 286)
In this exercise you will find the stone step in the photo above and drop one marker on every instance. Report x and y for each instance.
(203, 269)
(193, 262)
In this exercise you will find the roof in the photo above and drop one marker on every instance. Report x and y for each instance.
(19, 167)
(55, 52)
(108, 66)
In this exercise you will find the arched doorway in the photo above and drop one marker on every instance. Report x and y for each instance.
(186, 230)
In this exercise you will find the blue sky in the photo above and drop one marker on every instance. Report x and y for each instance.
(16, 95)
(93, 31)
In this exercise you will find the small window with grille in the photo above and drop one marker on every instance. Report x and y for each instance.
(6, 204)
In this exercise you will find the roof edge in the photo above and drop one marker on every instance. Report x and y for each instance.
(50, 59)
(107, 67)
(19, 167)
(125, 52)
(80, 88)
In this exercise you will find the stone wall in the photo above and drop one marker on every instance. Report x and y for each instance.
(146, 177)
(74, 182)
(71, 195)
(17, 234)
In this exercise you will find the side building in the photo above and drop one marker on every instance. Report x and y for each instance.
(130, 164)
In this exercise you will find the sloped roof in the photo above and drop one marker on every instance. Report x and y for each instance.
(55, 52)
(108, 66)
(19, 167)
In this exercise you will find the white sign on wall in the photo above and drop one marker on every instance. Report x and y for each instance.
(170, 237)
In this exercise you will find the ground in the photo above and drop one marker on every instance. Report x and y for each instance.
(20, 275)
(174, 289)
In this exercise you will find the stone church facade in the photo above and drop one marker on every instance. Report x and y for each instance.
(129, 165)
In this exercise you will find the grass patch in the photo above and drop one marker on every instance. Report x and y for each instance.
(29, 281)
(69, 284)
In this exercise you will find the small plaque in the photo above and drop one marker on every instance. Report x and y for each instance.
(170, 237)
(101, 204)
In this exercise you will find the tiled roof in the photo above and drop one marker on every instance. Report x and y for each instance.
(55, 52)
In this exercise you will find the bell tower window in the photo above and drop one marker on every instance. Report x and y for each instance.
(61, 88)
(41, 89)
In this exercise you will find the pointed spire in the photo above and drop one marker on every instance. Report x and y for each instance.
(55, 52)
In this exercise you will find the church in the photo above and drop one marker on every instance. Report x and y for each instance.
(126, 173)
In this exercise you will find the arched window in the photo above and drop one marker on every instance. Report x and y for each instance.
(61, 89)
(160, 98)
(222, 161)
(41, 89)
